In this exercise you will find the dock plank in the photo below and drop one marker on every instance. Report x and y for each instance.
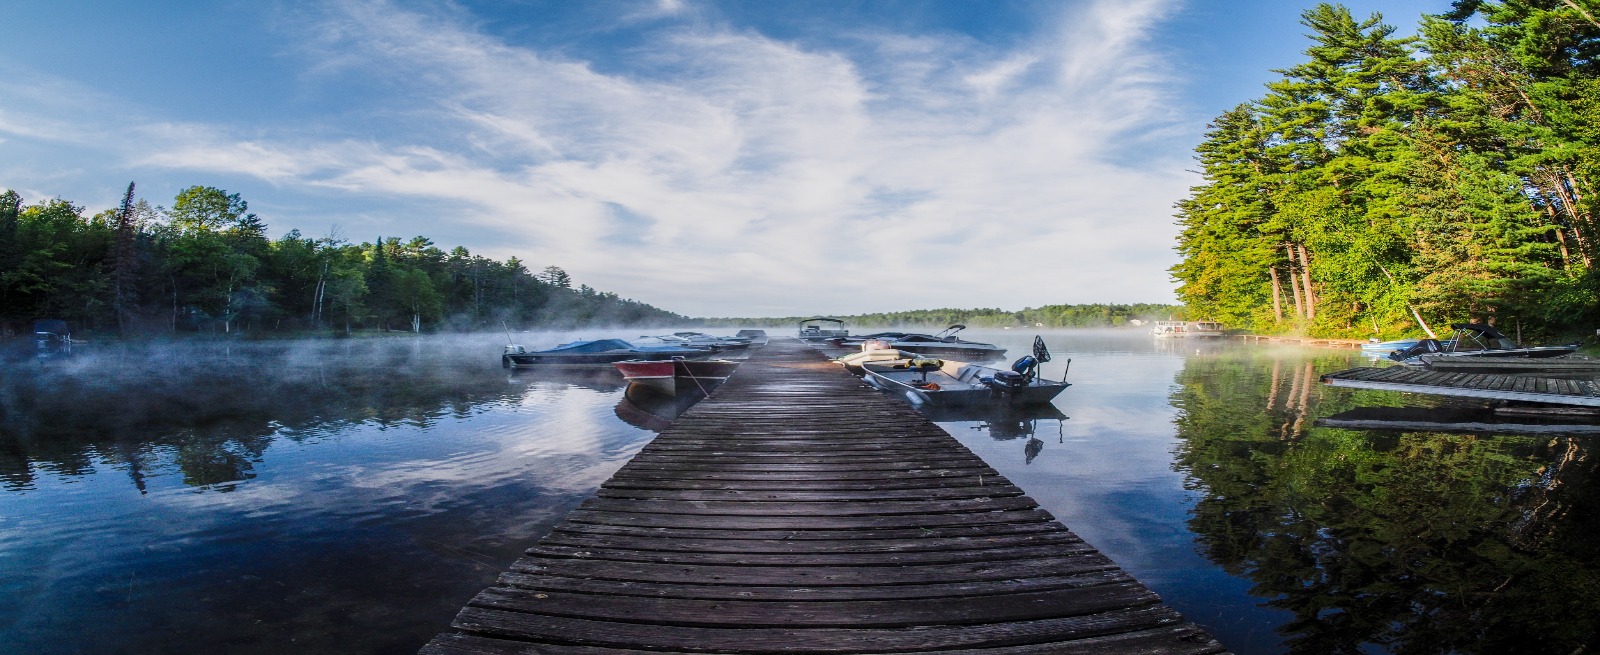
(798, 511)
(1522, 387)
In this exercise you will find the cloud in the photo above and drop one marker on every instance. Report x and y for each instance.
(714, 170)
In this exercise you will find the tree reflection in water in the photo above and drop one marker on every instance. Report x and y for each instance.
(1417, 542)
(210, 410)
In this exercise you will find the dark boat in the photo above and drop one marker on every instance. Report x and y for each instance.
(596, 352)
(946, 344)
(669, 376)
(1475, 340)
(949, 382)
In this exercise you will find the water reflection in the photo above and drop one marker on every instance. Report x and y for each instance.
(603, 379)
(651, 409)
(1004, 423)
(1409, 540)
(328, 496)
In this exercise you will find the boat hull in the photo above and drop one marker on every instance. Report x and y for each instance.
(953, 351)
(956, 383)
(671, 376)
(584, 360)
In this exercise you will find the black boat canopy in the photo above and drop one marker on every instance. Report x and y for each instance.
(1479, 327)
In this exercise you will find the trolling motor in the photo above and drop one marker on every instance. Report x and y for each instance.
(1023, 370)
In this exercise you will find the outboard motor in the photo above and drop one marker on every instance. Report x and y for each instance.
(1020, 375)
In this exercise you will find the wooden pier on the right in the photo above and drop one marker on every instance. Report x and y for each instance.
(1485, 386)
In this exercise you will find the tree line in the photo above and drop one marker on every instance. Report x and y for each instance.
(1388, 183)
(205, 265)
(1048, 316)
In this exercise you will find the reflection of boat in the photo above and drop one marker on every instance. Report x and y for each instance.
(1003, 423)
(1463, 420)
(670, 375)
(1189, 329)
(1475, 340)
(950, 382)
(595, 352)
(590, 377)
(649, 409)
(816, 329)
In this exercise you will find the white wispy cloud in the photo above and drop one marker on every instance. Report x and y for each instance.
(747, 175)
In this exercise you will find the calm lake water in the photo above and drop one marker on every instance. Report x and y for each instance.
(350, 496)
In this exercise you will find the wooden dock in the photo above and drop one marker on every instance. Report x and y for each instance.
(1302, 341)
(799, 511)
(1488, 386)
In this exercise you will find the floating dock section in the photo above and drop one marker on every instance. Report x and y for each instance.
(799, 511)
(1487, 386)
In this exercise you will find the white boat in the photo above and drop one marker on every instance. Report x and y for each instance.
(1189, 329)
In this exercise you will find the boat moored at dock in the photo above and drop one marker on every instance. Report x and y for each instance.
(669, 376)
(950, 382)
(822, 328)
(591, 352)
(1475, 340)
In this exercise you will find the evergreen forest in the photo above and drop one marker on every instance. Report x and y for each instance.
(1386, 183)
(205, 265)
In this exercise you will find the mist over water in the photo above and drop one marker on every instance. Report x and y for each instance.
(316, 496)
(338, 496)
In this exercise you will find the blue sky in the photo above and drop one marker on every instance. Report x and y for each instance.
(756, 158)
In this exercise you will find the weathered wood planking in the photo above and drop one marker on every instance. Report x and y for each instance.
(799, 511)
(1522, 388)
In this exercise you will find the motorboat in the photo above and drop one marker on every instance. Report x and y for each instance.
(1474, 340)
(822, 328)
(1374, 346)
(1188, 329)
(669, 376)
(853, 361)
(946, 344)
(925, 380)
(707, 343)
(592, 352)
(703, 340)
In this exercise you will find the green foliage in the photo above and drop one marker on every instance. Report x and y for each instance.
(1420, 542)
(206, 265)
(1447, 176)
(1050, 316)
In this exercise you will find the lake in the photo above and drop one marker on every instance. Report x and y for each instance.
(344, 496)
